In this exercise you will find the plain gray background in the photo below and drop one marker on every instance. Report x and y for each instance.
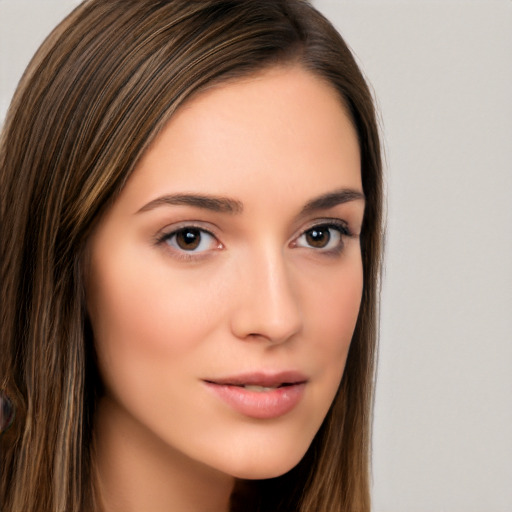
(442, 75)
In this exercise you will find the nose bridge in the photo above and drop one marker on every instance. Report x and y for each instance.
(270, 305)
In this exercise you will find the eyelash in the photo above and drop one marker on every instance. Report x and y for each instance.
(183, 254)
(337, 225)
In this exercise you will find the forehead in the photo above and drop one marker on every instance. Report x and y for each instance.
(281, 125)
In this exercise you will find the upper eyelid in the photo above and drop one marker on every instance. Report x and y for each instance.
(213, 230)
(172, 229)
(332, 224)
(161, 240)
(327, 221)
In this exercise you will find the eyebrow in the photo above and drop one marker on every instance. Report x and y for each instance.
(332, 199)
(228, 205)
(216, 204)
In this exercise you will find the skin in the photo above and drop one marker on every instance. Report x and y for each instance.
(255, 295)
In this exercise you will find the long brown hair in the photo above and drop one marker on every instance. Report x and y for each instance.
(93, 98)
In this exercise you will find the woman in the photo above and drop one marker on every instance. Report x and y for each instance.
(191, 216)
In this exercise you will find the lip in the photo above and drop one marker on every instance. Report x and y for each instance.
(265, 404)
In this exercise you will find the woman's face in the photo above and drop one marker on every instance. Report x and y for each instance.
(225, 282)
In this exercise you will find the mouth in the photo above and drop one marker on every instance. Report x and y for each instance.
(260, 395)
(262, 389)
(262, 380)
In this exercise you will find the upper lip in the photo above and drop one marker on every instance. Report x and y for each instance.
(264, 379)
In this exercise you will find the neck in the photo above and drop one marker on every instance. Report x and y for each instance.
(135, 470)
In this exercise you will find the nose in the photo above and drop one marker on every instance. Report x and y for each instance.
(268, 305)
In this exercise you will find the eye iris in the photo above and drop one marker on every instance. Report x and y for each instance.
(318, 237)
(188, 239)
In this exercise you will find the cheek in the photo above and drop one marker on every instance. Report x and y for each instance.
(333, 307)
(148, 324)
(333, 302)
(134, 301)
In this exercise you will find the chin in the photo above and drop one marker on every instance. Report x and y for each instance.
(265, 464)
(265, 473)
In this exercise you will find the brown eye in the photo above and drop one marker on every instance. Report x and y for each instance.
(324, 237)
(188, 239)
(318, 237)
(191, 239)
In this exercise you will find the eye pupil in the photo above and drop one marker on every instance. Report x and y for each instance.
(318, 237)
(188, 239)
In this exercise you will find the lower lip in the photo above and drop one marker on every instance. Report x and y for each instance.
(260, 404)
